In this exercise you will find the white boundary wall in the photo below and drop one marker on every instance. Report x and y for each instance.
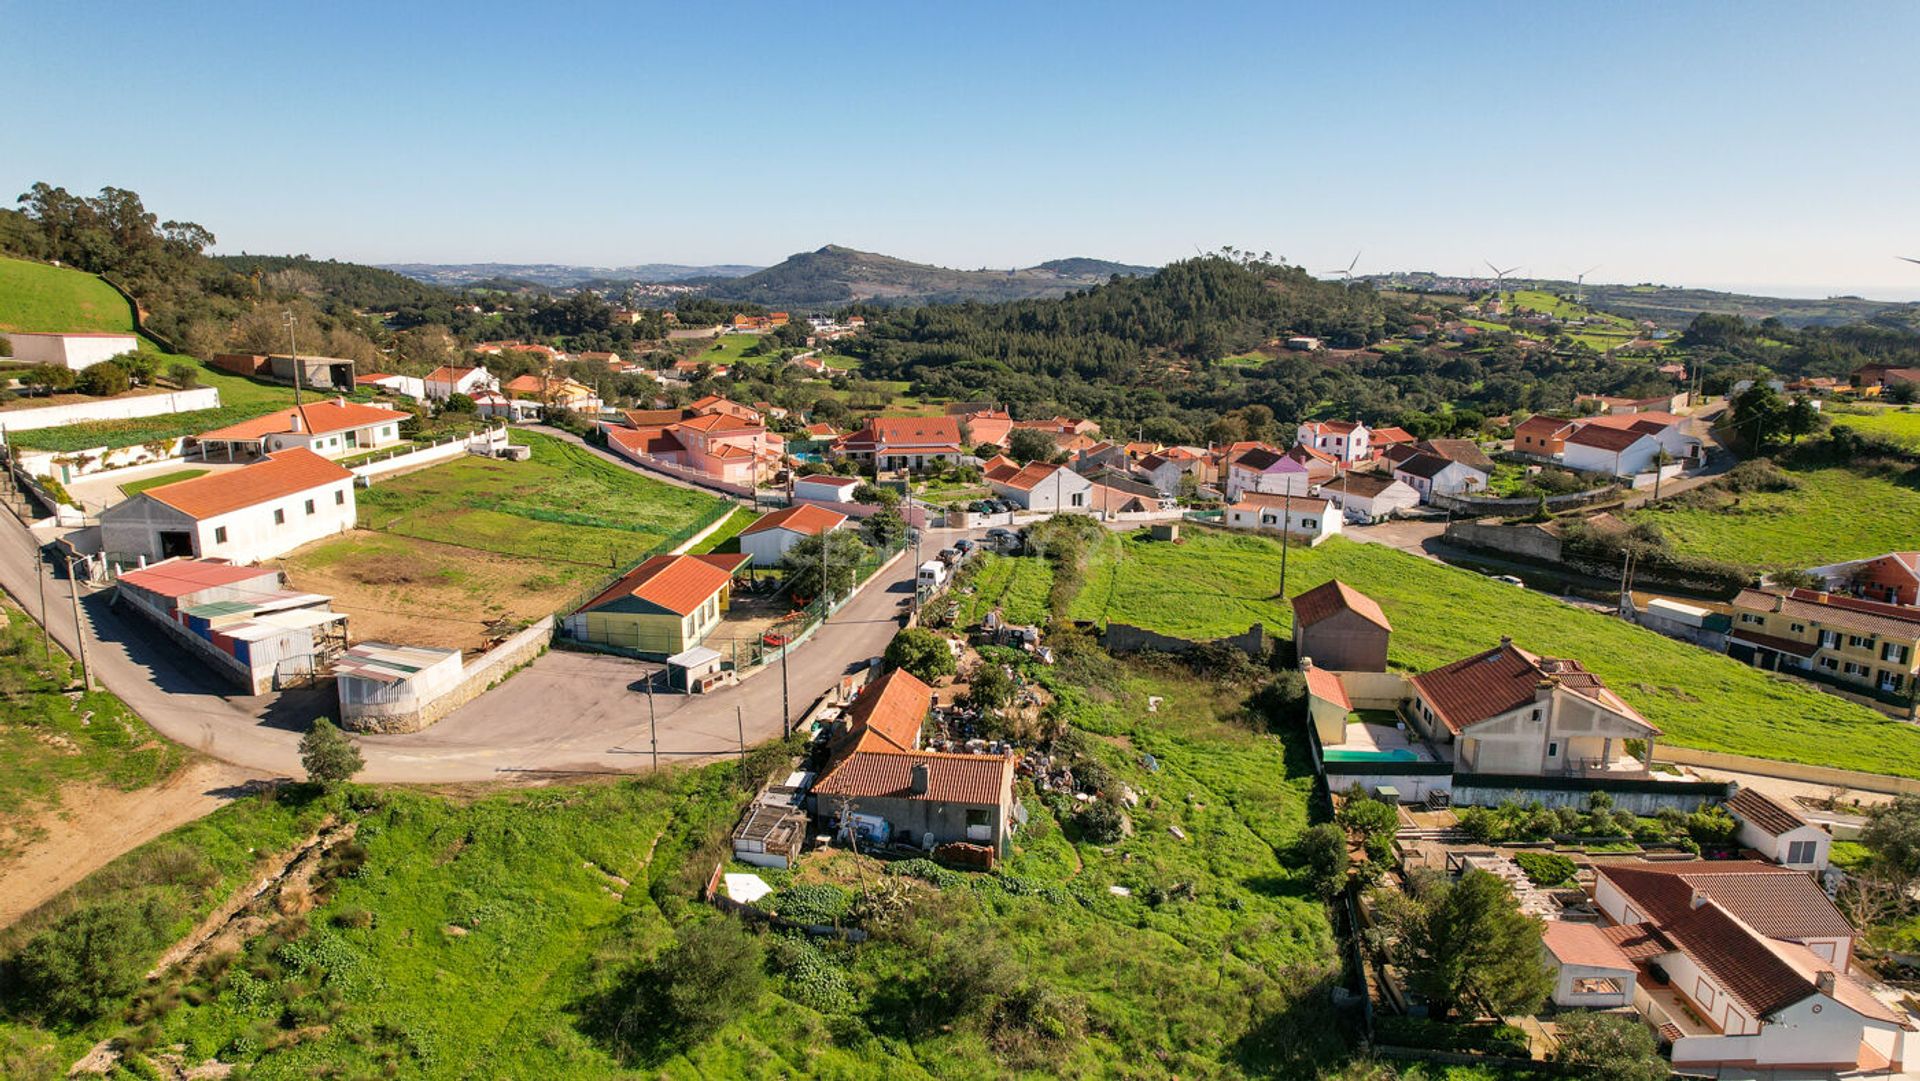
(124, 408)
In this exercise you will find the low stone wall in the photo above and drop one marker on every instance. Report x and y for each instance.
(1127, 638)
(478, 678)
(68, 465)
(125, 408)
(1526, 541)
(1790, 771)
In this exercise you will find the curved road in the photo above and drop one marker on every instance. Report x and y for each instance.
(566, 714)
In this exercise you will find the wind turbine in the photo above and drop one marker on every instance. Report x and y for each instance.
(1346, 276)
(1580, 285)
(1908, 260)
(1500, 279)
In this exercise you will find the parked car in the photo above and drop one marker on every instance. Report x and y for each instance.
(984, 506)
(965, 545)
(1510, 580)
(933, 574)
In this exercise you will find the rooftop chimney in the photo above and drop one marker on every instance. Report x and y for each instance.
(920, 778)
(1506, 641)
(1699, 898)
(1823, 983)
(295, 421)
(340, 400)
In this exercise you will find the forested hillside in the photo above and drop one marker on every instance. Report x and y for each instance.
(835, 276)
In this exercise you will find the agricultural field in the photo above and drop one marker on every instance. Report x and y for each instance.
(56, 745)
(1835, 514)
(1900, 425)
(442, 553)
(1016, 585)
(35, 296)
(541, 913)
(730, 348)
(1217, 583)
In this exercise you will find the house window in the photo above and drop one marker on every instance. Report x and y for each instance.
(219, 534)
(977, 816)
(1798, 627)
(1856, 641)
(1892, 651)
(1553, 750)
(1801, 851)
(1703, 992)
(1309, 523)
(1594, 985)
(279, 516)
(1828, 664)
(309, 506)
(340, 498)
(1890, 681)
(1853, 669)
(1829, 639)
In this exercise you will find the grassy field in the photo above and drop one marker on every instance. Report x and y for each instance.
(485, 937)
(50, 740)
(135, 487)
(241, 398)
(726, 538)
(729, 348)
(1900, 425)
(1835, 514)
(1017, 585)
(1217, 583)
(34, 296)
(840, 362)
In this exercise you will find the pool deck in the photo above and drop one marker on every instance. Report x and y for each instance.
(1367, 736)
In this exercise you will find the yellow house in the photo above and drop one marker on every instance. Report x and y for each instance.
(1849, 640)
(664, 606)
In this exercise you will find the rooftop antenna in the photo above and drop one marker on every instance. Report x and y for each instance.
(1580, 285)
(1346, 276)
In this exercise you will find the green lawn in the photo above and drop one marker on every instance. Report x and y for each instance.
(34, 296)
(1017, 585)
(566, 504)
(840, 362)
(49, 740)
(726, 538)
(135, 487)
(1217, 583)
(1836, 514)
(1899, 425)
(730, 348)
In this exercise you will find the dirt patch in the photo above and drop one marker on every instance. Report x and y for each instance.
(423, 593)
(95, 824)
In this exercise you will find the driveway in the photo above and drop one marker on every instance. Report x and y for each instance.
(566, 713)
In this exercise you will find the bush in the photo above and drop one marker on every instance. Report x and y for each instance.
(459, 403)
(1103, 822)
(921, 652)
(184, 375)
(92, 957)
(1421, 1032)
(710, 976)
(820, 903)
(991, 688)
(1323, 850)
(1370, 818)
(329, 756)
(103, 380)
(1601, 1045)
(1546, 869)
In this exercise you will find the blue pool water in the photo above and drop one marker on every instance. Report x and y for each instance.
(1398, 754)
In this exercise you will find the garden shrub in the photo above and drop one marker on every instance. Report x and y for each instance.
(1545, 869)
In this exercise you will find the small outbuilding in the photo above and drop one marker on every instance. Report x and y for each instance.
(1340, 628)
(75, 350)
(1778, 831)
(385, 687)
(769, 538)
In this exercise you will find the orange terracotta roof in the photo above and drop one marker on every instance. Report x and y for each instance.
(806, 519)
(280, 474)
(980, 779)
(1505, 678)
(889, 713)
(1765, 813)
(1327, 687)
(677, 583)
(1604, 437)
(1333, 597)
(318, 418)
(1384, 436)
(449, 374)
(1583, 944)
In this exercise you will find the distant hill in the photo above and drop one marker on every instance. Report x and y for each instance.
(557, 275)
(1673, 307)
(36, 296)
(834, 276)
(355, 285)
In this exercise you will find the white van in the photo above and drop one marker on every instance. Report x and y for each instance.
(933, 574)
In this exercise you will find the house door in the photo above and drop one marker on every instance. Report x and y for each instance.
(176, 542)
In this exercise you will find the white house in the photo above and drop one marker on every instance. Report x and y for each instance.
(1346, 440)
(826, 488)
(243, 515)
(407, 386)
(1312, 520)
(76, 350)
(1746, 964)
(1431, 475)
(1370, 497)
(491, 404)
(1042, 487)
(1618, 452)
(1779, 832)
(769, 538)
(1592, 969)
(334, 428)
(447, 380)
(1265, 470)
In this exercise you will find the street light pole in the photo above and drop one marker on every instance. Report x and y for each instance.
(79, 629)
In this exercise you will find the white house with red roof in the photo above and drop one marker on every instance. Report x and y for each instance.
(69, 349)
(893, 443)
(826, 488)
(243, 515)
(1779, 831)
(769, 538)
(332, 428)
(1042, 486)
(1618, 452)
(1266, 470)
(407, 386)
(1347, 440)
(450, 379)
(1302, 517)
(1735, 964)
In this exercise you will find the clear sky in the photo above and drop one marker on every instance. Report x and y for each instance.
(1750, 144)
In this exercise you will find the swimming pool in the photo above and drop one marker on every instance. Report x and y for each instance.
(1398, 754)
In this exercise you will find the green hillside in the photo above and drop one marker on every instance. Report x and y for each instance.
(35, 296)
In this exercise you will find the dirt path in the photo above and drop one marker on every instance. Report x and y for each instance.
(96, 824)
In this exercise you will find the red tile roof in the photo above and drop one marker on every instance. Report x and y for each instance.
(1385, 436)
(179, 577)
(317, 418)
(449, 374)
(1765, 813)
(1604, 437)
(677, 583)
(980, 779)
(1542, 427)
(1029, 476)
(1327, 687)
(889, 713)
(1583, 944)
(280, 474)
(806, 519)
(650, 441)
(1333, 597)
(908, 432)
(1506, 678)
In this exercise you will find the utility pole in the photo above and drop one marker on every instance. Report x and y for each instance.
(916, 572)
(653, 732)
(786, 709)
(79, 629)
(1286, 533)
(295, 351)
(40, 574)
(740, 726)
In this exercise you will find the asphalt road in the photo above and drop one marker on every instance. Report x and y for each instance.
(567, 713)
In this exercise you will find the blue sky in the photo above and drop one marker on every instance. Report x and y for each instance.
(1758, 144)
